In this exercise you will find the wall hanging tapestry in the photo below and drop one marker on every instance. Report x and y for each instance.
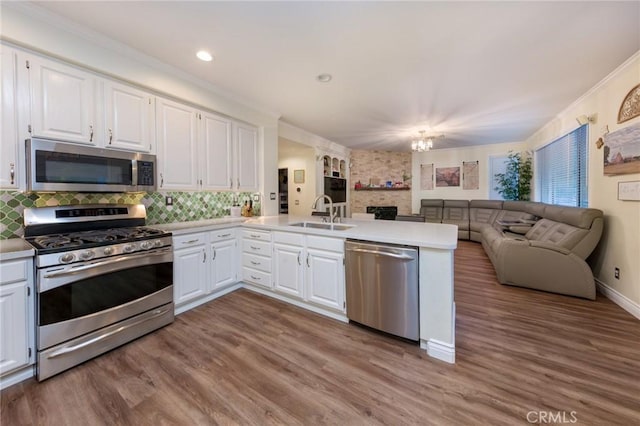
(470, 175)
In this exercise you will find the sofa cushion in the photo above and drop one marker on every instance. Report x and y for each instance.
(576, 216)
(431, 210)
(561, 234)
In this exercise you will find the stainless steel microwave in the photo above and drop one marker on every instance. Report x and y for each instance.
(59, 166)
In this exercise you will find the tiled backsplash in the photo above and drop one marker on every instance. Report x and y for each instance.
(187, 206)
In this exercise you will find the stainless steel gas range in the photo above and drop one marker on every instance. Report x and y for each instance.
(102, 280)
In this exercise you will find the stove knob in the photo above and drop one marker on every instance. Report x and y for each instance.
(128, 248)
(157, 243)
(146, 245)
(86, 255)
(108, 251)
(66, 258)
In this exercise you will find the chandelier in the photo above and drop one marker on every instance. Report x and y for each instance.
(422, 143)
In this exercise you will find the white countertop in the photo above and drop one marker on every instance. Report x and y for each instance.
(438, 236)
(179, 228)
(433, 235)
(15, 248)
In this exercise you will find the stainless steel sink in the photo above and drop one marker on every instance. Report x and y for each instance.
(323, 225)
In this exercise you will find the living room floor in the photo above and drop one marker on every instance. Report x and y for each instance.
(521, 356)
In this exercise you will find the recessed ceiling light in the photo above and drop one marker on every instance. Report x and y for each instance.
(324, 78)
(203, 55)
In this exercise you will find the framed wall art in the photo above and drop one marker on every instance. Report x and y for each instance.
(630, 107)
(622, 151)
(447, 176)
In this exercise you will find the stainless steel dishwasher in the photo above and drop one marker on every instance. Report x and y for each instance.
(382, 287)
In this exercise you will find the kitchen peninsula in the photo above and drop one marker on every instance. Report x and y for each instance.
(436, 244)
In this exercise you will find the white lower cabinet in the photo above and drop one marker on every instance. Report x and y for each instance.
(311, 268)
(256, 257)
(288, 255)
(16, 315)
(204, 263)
(189, 267)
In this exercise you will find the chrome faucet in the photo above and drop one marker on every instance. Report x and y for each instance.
(332, 215)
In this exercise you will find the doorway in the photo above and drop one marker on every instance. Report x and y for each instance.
(283, 191)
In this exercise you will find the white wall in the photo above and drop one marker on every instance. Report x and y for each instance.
(35, 29)
(620, 244)
(454, 157)
(295, 156)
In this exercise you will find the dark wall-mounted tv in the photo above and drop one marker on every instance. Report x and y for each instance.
(336, 188)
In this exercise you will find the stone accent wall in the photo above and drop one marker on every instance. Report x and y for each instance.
(385, 166)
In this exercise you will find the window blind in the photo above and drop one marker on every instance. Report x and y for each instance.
(561, 169)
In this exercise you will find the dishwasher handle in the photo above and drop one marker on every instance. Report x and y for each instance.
(382, 253)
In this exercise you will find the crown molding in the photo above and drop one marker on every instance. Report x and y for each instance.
(93, 37)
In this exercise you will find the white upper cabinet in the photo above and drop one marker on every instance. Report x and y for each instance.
(8, 105)
(216, 157)
(128, 118)
(247, 158)
(177, 146)
(63, 102)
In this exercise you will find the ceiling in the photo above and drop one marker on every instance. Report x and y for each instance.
(479, 72)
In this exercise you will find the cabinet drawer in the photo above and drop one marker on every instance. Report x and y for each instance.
(256, 235)
(257, 277)
(188, 240)
(324, 243)
(256, 247)
(289, 238)
(13, 271)
(260, 263)
(222, 235)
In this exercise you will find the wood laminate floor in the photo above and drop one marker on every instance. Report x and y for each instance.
(245, 358)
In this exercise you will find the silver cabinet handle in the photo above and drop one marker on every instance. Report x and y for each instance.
(254, 248)
(204, 257)
(255, 236)
(253, 262)
(214, 255)
(238, 183)
(255, 278)
(308, 265)
(299, 259)
(12, 173)
(161, 180)
(190, 241)
(110, 136)
(231, 183)
(223, 235)
(90, 133)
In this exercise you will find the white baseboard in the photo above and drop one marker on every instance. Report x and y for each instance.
(186, 307)
(619, 299)
(299, 303)
(440, 350)
(17, 376)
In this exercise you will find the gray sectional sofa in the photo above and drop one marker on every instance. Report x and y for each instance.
(533, 245)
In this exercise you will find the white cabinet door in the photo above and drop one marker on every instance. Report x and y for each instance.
(189, 274)
(247, 158)
(63, 102)
(128, 118)
(288, 273)
(325, 278)
(177, 146)
(13, 326)
(216, 151)
(8, 105)
(223, 263)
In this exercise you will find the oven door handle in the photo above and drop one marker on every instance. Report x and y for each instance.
(69, 349)
(102, 264)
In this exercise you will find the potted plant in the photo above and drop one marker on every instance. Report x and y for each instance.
(515, 182)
